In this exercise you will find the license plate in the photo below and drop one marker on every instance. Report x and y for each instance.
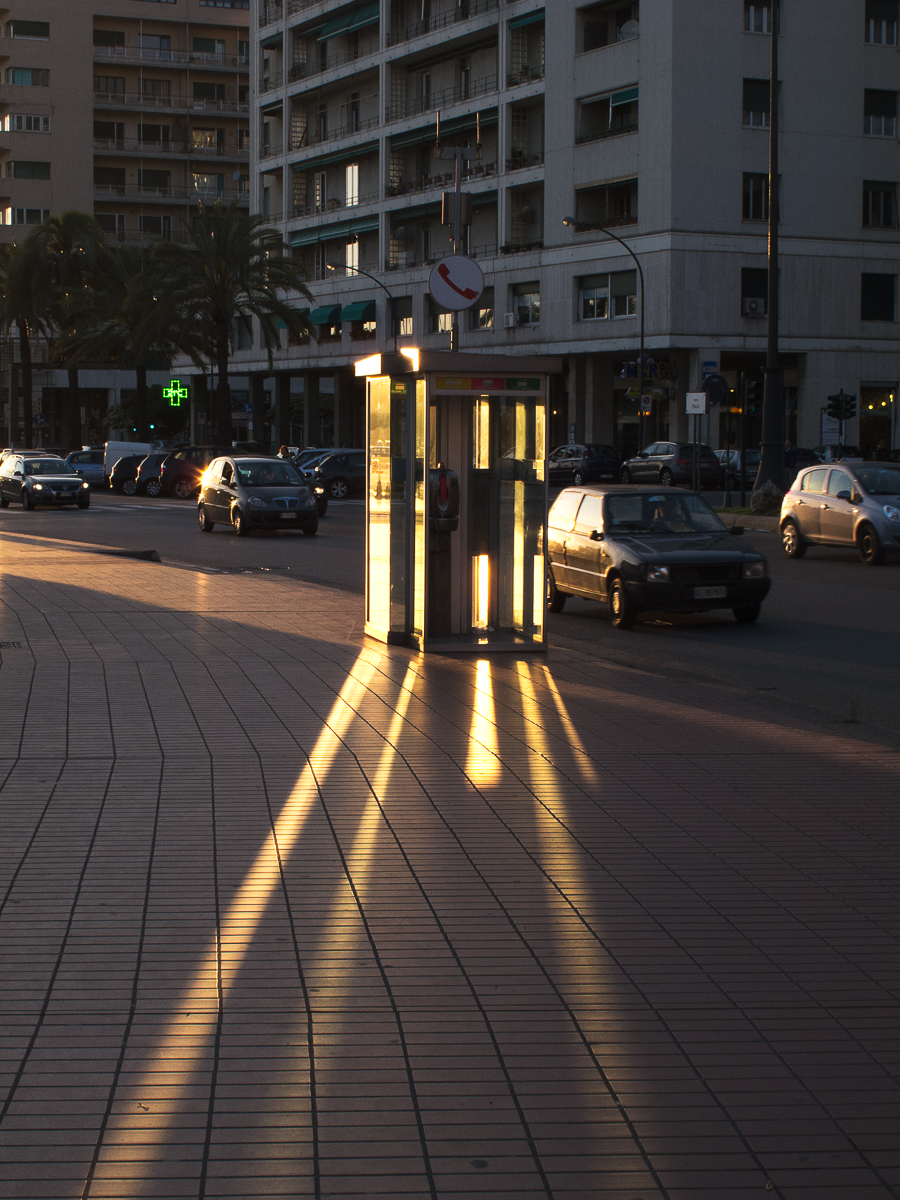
(288, 516)
(710, 593)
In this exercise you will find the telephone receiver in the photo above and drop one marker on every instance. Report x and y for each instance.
(466, 293)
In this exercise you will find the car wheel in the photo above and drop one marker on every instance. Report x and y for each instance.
(556, 600)
(792, 542)
(622, 612)
(129, 487)
(206, 525)
(667, 479)
(338, 489)
(27, 502)
(183, 488)
(578, 478)
(85, 503)
(310, 528)
(870, 548)
(747, 614)
(239, 523)
(152, 487)
(625, 475)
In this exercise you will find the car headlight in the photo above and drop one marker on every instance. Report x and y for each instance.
(320, 491)
(892, 514)
(755, 570)
(84, 485)
(255, 502)
(38, 487)
(657, 574)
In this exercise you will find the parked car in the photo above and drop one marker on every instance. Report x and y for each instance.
(5, 453)
(669, 463)
(642, 549)
(182, 471)
(583, 464)
(853, 504)
(147, 478)
(123, 476)
(308, 458)
(340, 472)
(113, 451)
(89, 465)
(731, 463)
(256, 493)
(33, 481)
(833, 453)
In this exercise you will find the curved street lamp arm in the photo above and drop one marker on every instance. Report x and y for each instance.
(615, 237)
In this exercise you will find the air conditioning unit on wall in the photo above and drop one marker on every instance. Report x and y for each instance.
(510, 320)
(753, 308)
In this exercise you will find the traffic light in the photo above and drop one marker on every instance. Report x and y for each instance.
(752, 395)
(835, 407)
(841, 407)
(849, 408)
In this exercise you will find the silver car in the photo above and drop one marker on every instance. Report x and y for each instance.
(845, 504)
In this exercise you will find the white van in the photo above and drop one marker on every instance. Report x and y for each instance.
(113, 451)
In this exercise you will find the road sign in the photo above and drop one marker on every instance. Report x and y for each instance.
(39, 419)
(456, 282)
(248, 409)
(201, 418)
(646, 405)
(696, 403)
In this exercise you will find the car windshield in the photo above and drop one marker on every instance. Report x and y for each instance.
(48, 466)
(663, 512)
(880, 480)
(598, 451)
(268, 474)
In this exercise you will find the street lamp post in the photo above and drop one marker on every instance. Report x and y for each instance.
(360, 271)
(572, 221)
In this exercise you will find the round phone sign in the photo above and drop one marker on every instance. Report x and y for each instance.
(456, 282)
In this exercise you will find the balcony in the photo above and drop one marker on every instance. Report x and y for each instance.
(303, 70)
(332, 206)
(269, 13)
(442, 99)
(525, 74)
(426, 183)
(167, 103)
(142, 55)
(269, 82)
(132, 194)
(520, 161)
(462, 12)
(320, 137)
(624, 127)
(166, 149)
(409, 261)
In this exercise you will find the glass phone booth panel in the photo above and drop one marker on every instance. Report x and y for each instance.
(456, 513)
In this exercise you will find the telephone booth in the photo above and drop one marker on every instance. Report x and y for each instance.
(456, 505)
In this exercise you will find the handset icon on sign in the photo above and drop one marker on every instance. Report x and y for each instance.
(466, 293)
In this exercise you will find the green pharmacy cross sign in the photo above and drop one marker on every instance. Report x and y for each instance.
(175, 393)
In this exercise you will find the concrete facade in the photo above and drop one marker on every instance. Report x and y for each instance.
(645, 120)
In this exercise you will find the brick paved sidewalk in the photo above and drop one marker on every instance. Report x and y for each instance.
(289, 913)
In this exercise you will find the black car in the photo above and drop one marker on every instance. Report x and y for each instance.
(341, 472)
(649, 550)
(183, 469)
(148, 472)
(255, 493)
(123, 476)
(34, 481)
(583, 463)
(669, 463)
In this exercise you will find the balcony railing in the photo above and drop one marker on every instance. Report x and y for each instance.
(269, 13)
(177, 58)
(426, 183)
(462, 12)
(525, 74)
(442, 99)
(625, 127)
(409, 260)
(334, 205)
(167, 103)
(313, 66)
(519, 162)
(139, 146)
(162, 195)
(273, 80)
(314, 137)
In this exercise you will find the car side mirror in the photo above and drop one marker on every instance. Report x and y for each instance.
(596, 535)
(856, 498)
(642, 454)
(844, 495)
(737, 531)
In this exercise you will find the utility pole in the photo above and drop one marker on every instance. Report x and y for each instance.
(771, 460)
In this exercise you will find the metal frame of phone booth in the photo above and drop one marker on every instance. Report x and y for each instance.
(456, 501)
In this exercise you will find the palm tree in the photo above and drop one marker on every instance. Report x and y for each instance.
(233, 269)
(20, 305)
(59, 252)
(118, 314)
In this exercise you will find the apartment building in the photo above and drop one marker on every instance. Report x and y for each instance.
(649, 119)
(130, 109)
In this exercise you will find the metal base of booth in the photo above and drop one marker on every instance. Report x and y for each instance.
(497, 641)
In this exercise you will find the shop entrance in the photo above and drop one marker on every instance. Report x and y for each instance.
(877, 420)
(457, 501)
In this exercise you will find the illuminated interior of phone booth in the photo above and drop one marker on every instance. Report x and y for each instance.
(457, 500)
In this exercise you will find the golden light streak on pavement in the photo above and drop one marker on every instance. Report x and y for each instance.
(483, 765)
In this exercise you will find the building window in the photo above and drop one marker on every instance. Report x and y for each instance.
(481, 315)
(609, 205)
(757, 103)
(879, 205)
(605, 116)
(111, 179)
(351, 185)
(757, 17)
(27, 77)
(25, 169)
(756, 198)
(878, 297)
(244, 139)
(24, 123)
(401, 311)
(754, 291)
(154, 136)
(157, 88)
(155, 181)
(208, 139)
(112, 224)
(24, 216)
(601, 24)
(601, 297)
(208, 184)
(109, 135)
(208, 91)
(35, 31)
(880, 113)
(109, 85)
(526, 303)
(320, 190)
(440, 320)
(351, 254)
(156, 226)
(110, 38)
(881, 22)
(465, 77)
